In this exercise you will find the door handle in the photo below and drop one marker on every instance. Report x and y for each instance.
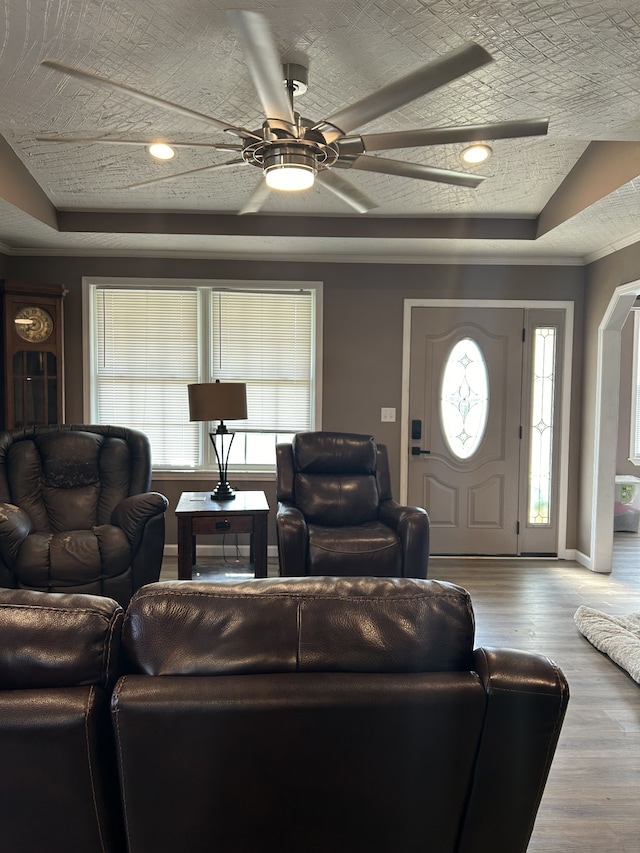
(416, 451)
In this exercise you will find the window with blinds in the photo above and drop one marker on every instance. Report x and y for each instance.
(148, 343)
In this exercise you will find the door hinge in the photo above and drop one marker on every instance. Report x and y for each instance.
(517, 528)
(524, 335)
(520, 432)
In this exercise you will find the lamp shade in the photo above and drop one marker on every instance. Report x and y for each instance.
(217, 401)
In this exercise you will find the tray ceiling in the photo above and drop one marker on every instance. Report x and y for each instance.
(567, 197)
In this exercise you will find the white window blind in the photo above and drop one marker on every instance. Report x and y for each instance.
(265, 340)
(147, 353)
(149, 343)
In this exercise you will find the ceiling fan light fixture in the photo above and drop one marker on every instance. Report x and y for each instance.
(476, 153)
(161, 151)
(289, 178)
(289, 168)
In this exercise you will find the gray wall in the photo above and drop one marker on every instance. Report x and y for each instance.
(362, 346)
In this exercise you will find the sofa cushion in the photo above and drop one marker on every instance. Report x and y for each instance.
(334, 452)
(371, 549)
(69, 479)
(338, 500)
(299, 625)
(58, 640)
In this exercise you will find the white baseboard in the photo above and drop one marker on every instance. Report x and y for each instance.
(568, 554)
(583, 559)
(587, 562)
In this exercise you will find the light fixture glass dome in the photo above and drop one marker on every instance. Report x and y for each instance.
(161, 151)
(289, 178)
(289, 168)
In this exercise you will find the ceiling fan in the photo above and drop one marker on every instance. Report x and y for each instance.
(292, 152)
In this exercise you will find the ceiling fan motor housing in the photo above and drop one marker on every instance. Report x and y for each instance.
(284, 146)
(277, 156)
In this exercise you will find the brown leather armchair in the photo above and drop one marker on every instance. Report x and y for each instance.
(336, 515)
(59, 659)
(76, 513)
(328, 714)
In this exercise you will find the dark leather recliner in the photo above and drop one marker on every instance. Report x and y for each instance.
(336, 514)
(328, 715)
(76, 513)
(59, 659)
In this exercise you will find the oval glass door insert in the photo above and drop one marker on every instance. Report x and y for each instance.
(464, 398)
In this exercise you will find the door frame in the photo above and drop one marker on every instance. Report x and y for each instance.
(567, 356)
(605, 430)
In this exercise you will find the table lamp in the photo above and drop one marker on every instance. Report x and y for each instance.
(219, 401)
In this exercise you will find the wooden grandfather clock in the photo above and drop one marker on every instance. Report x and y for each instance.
(33, 368)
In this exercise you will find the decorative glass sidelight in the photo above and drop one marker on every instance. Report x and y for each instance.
(541, 436)
(464, 398)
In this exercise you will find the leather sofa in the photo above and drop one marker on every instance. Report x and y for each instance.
(59, 661)
(76, 510)
(315, 714)
(336, 514)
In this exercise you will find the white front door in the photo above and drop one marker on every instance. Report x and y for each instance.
(465, 402)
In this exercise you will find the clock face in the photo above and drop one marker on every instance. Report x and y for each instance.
(33, 324)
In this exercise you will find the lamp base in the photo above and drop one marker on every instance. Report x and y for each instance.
(223, 492)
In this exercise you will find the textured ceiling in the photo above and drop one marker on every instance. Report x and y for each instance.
(575, 62)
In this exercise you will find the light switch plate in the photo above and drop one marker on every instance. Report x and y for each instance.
(387, 415)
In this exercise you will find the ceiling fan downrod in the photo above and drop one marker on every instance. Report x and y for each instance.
(296, 79)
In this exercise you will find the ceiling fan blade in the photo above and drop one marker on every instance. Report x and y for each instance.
(183, 174)
(88, 77)
(257, 198)
(466, 58)
(107, 141)
(345, 191)
(444, 135)
(411, 170)
(264, 63)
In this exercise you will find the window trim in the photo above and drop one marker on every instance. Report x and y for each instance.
(131, 282)
(634, 452)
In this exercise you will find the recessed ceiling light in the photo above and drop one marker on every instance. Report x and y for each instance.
(476, 153)
(161, 151)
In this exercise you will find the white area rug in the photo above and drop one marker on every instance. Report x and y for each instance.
(616, 636)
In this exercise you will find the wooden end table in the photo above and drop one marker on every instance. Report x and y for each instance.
(198, 515)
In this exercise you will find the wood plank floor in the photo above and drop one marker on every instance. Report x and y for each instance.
(592, 798)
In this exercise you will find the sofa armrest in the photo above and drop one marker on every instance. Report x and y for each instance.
(527, 696)
(133, 513)
(411, 523)
(291, 529)
(398, 516)
(147, 560)
(15, 526)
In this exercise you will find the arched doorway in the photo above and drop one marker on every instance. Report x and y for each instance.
(606, 431)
